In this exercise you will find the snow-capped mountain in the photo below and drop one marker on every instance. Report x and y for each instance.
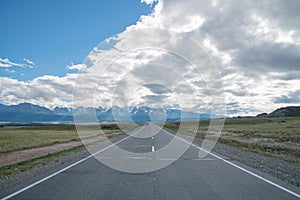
(26, 112)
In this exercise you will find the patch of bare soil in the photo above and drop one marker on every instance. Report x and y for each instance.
(13, 157)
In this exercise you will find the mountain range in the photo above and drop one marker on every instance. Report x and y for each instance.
(29, 113)
(290, 111)
(26, 112)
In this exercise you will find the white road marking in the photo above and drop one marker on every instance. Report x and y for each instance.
(84, 159)
(152, 145)
(235, 165)
(58, 172)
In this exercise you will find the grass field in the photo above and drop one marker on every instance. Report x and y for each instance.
(29, 164)
(14, 138)
(21, 137)
(277, 137)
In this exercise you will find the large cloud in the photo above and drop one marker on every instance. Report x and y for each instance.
(49, 91)
(255, 45)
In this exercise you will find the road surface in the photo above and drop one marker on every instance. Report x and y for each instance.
(189, 177)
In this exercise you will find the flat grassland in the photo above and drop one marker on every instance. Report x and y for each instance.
(17, 141)
(276, 137)
(14, 138)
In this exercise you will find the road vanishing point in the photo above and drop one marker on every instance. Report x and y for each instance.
(189, 177)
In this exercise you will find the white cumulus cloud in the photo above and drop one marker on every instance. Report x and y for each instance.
(78, 67)
(254, 44)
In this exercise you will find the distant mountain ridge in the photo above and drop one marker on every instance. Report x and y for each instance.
(29, 113)
(290, 111)
(25, 108)
(26, 112)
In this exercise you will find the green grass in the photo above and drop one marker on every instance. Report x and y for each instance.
(22, 137)
(276, 137)
(29, 164)
(14, 138)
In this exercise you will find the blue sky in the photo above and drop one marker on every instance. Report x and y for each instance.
(255, 45)
(52, 34)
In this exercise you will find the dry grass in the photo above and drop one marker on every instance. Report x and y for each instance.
(21, 137)
(29, 164)
(277, 137)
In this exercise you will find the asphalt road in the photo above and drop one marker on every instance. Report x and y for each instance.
(188, 177)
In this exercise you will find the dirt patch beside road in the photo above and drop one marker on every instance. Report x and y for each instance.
(9, 158)
(13, 157)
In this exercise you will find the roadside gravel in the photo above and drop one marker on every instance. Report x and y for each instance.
(284, 170)
(19, 176)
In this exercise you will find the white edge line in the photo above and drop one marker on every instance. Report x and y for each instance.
(241, 168)
(58, 172)
(80, 161)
